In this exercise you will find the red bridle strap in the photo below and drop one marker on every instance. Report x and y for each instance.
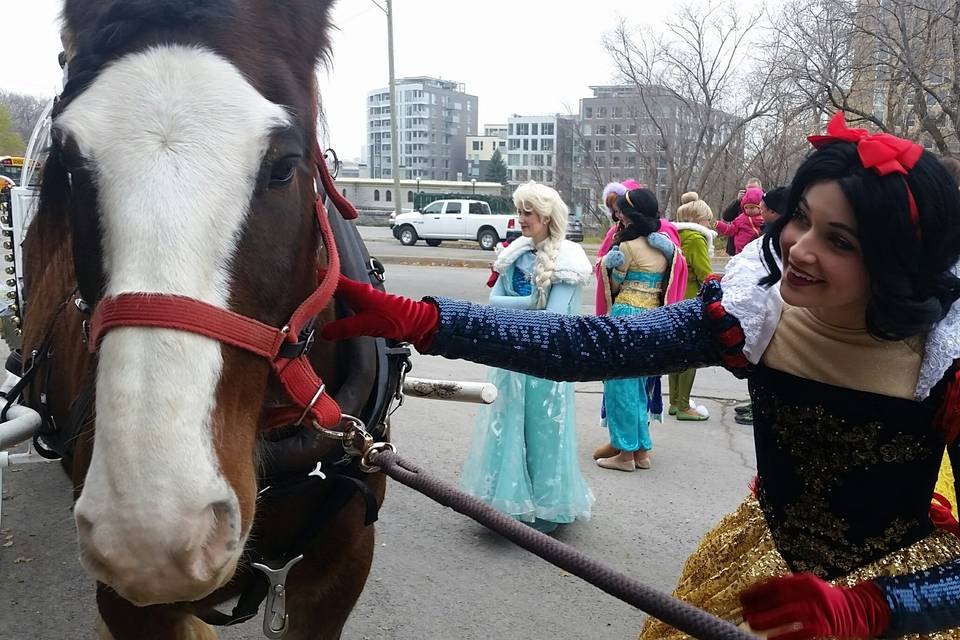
(180, 313)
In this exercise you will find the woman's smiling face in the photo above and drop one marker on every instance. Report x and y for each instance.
(822, 258)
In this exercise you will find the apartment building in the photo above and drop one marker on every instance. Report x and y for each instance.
(434, 119)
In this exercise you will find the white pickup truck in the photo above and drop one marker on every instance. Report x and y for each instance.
(453, 220)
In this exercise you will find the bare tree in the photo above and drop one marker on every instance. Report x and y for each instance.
(24, 111)
(891, 64)
(698, 92)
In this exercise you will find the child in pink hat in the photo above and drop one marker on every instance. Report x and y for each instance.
(745, 228)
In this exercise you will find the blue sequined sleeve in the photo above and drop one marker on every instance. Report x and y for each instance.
(561, 347)
(923, 602)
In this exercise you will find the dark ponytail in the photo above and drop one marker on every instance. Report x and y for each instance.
(639, 206)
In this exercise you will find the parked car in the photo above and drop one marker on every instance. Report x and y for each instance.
(453, 220)
(574, 232)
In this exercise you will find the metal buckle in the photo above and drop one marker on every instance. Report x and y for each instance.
(376, 270)
(369, 457)
(275, 616)
(313, 401)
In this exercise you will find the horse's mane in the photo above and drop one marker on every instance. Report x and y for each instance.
(123, 22)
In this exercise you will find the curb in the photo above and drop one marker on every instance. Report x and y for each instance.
(422, 261)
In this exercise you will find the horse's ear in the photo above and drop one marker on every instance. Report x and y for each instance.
(307, 25)
(78, 16)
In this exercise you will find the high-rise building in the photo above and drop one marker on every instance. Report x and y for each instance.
(434, 119)
(621, 135)
(540, 148)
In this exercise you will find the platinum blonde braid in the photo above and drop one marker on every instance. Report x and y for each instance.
(544, 268)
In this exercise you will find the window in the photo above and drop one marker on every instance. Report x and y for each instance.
(632, 129)
(389, 195)
(546, 128)
(602, 130)
(526, 144)
(615, 161)
(376, 195)
(409, 196)
(523, 129)
(480, 208)
(513, 158)
(601, 145)
(617, 129)
(587, 112)
(453, 207)
(601, 161)
(548, 176)
(546, 145)
(477, 145)
(514, 144)
(533, 129)
(533, 144)
(601, 112)
(433, 208)
(631, 162)
(618, 112)
(537, 175)
(616, 145)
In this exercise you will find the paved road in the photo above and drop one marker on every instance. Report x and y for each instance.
(437, 574)
(381, 243)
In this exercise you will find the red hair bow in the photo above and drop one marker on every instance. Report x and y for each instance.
(882, 152)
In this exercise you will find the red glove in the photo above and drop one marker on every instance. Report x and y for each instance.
(941, 515)
(803, 606)
(383, 315)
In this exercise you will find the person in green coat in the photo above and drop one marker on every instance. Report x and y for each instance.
(696, 243)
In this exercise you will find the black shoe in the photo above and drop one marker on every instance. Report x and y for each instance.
(742, 409)
(744, 418)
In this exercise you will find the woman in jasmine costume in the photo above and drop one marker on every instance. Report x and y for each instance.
(523, 458)
(844, 319)
(639, 268)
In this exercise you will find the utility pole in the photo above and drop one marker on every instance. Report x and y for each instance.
(394, 114)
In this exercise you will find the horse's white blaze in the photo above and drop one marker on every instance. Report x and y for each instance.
(175, 136)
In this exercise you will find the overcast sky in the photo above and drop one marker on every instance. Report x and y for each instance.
(518, 56)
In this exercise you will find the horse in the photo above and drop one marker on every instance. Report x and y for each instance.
(181, 165)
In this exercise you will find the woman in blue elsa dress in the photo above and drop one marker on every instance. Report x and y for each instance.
(639, 268)
(845, 321)
(523, 458)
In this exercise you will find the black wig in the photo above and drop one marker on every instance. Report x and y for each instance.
(640, 206)
(911, 283)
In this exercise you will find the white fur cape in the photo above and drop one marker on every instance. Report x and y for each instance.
(572, 267)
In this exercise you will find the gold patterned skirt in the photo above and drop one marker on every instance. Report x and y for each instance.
(739, 552)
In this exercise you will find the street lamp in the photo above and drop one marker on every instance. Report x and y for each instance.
(473, 182)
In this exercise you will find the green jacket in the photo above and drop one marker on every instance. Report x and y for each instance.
(696, 242)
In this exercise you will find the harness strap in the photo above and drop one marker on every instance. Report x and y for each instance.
(181, 313)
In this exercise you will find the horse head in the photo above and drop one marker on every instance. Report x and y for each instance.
(182, 163)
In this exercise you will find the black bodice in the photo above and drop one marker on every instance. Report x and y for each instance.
(846, 476)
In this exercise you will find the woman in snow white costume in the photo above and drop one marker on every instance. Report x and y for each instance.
(523, 457)
(845, 322)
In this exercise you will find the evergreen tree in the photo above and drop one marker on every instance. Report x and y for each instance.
(11, 144)
(496, 170)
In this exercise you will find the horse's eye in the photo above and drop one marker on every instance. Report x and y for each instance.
(282, 171)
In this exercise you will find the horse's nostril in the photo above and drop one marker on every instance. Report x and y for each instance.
(225, 533)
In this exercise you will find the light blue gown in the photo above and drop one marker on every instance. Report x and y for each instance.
(523, 457)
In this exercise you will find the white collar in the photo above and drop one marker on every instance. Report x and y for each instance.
(758, 309)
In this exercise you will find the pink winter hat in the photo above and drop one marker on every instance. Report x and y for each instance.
(753, 195)
(631, 185)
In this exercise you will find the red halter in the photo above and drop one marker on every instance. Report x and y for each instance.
(288, 356)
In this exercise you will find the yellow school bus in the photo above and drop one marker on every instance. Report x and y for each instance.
(11, 167)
